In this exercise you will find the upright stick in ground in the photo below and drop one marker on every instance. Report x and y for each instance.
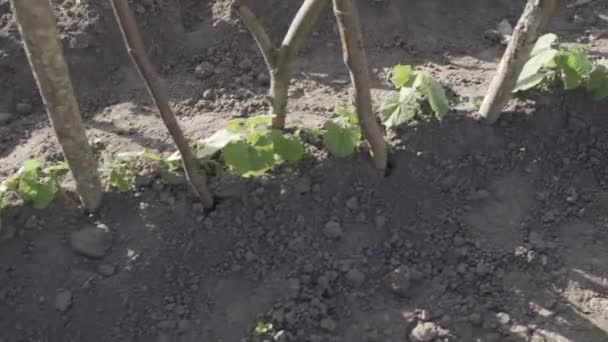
(38, 29)
(349, 26)
(530, 26)
(280, 61)
(136, 49)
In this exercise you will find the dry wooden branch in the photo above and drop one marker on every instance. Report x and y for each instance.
(37, 26)
(529, 27)
(136, 49)
(355, 59)
(280, 61)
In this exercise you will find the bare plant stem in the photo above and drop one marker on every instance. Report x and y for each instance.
(529, 27)
(280, 61)
(37, 26)
(355, 59)
(136, 49)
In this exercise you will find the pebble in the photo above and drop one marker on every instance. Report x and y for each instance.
(63, 301)
(280, 336)
(203, 70)
(328, 324)
(352, 203)
(398, 281)
(91, 242)
(355, 278)
(332, 230)
(208, 94)
(106, 270)
(424, 332)
(503, 318)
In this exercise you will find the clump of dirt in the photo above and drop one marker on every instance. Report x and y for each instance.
(479, 234)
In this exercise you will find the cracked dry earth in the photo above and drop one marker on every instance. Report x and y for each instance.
(479, 234)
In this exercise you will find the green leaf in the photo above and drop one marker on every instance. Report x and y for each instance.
(401, 107)
(57, 168)
(47, 189)
(289, 149)
(434, 93)
(574, 66)
(349, 114)
(39, 191)
(340, 138)
(247, 160)
(403, 76)
(120, 178)
(543, 43)
(531, 74)
(31, 165)
(597, 83)
(151, 155)
(236, 125)
(262, 328)
(217, 141)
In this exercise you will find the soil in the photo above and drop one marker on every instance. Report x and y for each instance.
(478, 234)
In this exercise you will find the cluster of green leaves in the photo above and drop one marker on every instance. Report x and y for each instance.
(120, 169)
(33, 184)
(249, 148)
(416, 94)
(571, 67)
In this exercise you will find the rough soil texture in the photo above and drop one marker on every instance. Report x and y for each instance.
(479, 234)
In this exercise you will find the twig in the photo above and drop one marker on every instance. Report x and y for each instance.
(347, 17)
(258, 32)
(280, 61)
(136, 49)
(529, 27)
(38, 28)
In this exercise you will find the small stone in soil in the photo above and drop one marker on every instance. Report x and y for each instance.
(424, 332)
(332, 230)
(91, 242)
(106, 270)
(355, 278)
(328, 324)
(63, 301)
(398, 281)
(203, 70)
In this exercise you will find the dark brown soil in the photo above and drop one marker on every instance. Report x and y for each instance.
(479, 234)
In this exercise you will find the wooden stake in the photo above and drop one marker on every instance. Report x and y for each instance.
(529, 28)
(347, 17)
(137, 51)
(38, 29)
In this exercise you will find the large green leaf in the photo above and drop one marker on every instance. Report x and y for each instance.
(434, 93)
(597, 83)
(531, 74)
(401, 107)
(575, 66)
(542, 54)
(289, 149)
(340, 138)
(403, 76)
(543, 43)
(247, 160)
(217, 141)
